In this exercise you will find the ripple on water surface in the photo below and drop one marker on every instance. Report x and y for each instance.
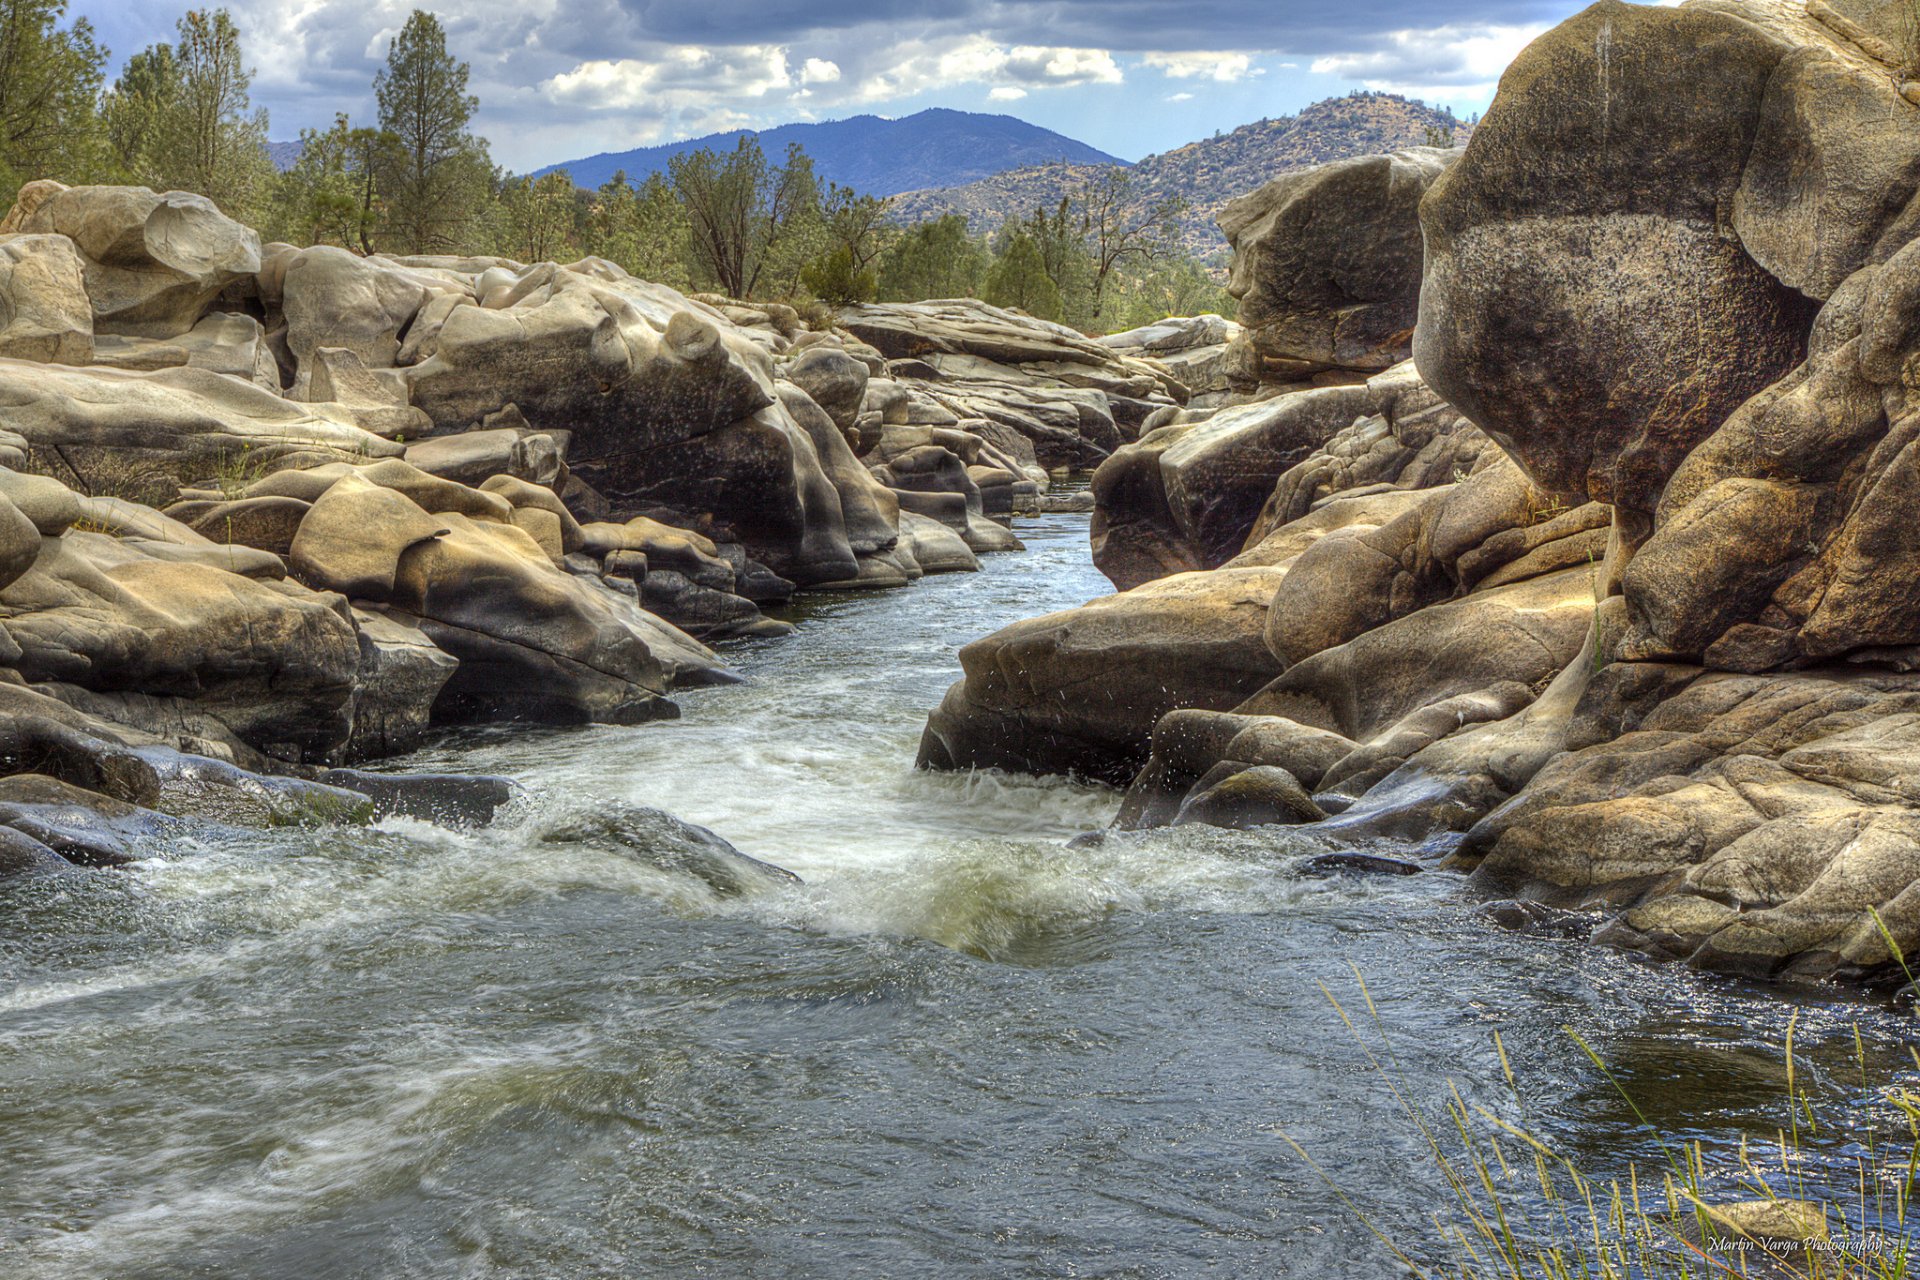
(959, 1048)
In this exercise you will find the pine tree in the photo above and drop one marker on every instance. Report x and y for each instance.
(218, 145)
(937, 259)
(1019, 279)
(437, 178)
(643, 230)
(541, 214)
(180, 117)
(49, 81)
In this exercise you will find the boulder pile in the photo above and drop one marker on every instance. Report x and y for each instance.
(265, 511)
(1607, 596)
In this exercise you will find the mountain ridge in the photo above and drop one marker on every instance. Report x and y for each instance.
(1206, 173)
(938, 147)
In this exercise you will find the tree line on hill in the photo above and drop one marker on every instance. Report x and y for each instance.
(418, 180)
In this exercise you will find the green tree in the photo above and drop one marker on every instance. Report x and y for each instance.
(936, 259)
(541, 216)
(219, 144)
(1174, 285)
(1059, 235)
(1123, 231)
(437, 179)
(181, 117)
(747, 221)
(136, 110)
(838, 279)
(331, 195)
(1020, 279)
(49, 83)
(643, 230)
(855, 223)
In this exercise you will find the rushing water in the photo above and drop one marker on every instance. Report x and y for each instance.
(960, 1049)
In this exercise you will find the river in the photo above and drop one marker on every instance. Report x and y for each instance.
(962, 1048)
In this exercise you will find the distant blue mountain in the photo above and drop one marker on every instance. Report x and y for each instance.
(933, 148)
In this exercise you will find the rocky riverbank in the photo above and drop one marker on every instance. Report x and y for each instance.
(1605, 595)
(267, 512)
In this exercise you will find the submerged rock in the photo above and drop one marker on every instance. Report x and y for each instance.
(670, 845)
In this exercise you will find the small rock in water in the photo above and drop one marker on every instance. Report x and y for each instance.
(1366, 864)
(665, 842)
(450, 799)
(1538, 918)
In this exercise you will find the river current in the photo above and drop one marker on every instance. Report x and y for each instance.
(960, 1048)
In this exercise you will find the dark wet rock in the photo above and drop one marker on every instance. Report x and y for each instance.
(448, 799)
(679, 848)
(84, 827)
(21, 855)
(1357, 864)
(1237, 795)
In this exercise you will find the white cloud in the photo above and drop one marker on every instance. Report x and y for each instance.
(1179, 97)
(1223, 67)
(1435, 62)
(1007, 93)
(921, 66)
(673, 76)
(819, 71)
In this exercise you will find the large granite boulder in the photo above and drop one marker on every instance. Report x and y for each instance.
(1327, 262)
(1751, 824)
(273, 662)
(1079, 691)
(1583, 301)
(107, 431)
(44, 312)
(152, 261)
(329, 297)
(536, 643)
(1186, 496)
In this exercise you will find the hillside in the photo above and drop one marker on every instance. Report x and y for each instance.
(1207, 173)
(933, 148)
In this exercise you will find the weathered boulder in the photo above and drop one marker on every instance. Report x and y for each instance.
(1239, 795)
(1079, 691)
(44, 312)
(221, 342)
(152, 262)
(272, 661)
(352, 538)
(628, 367)
(147, 435)
(1584, 232)
(1780, 540)
(473, 457)
(1073, 399)
(1186, 496)
(1751, 824)
(401, 675)
(1526, 632)
(1327, 261)
(834, 380)
(534, 642)
(332, 298)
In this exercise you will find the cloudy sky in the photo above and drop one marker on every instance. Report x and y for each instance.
(558, 79)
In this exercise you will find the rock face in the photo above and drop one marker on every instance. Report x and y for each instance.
(1186, 496)
(1554, 247)
(1611, 602)
(1327, 262)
